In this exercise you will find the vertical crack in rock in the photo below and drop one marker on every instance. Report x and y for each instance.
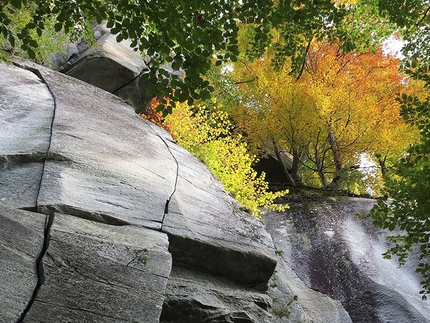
(49, 219)
(51, 128)
(166, 206)
(40, 272)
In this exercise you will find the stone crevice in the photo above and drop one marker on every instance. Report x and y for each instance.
(115, 91)
(166, 206)
(49, 218)
(51, 128)
(40, 272)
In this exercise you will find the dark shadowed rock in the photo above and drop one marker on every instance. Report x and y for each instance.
(114, 67)
(194, 296)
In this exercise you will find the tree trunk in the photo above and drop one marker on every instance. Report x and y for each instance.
(320, 168)
(290, 180)
(335, 184)
(297, 156)
(382, 164)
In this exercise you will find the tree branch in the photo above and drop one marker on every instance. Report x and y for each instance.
(247, 81)
(424, 16)
(304, 60)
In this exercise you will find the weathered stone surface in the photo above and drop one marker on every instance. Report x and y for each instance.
(294, 301)
(107, 177)
(142, 229)
(207, 228)
(333, 252)
(102, 273)
(104, 160)
(21, 241)
(194, 296)
(24, 135)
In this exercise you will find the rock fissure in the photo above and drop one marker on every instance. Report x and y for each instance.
(81, 213)
(20, 159)
(166, 206)
(49, 218)
(115, 91)
(51, 126)
(40, 272)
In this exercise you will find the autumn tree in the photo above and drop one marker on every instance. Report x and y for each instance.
(355, 100)
(325, 118)
(205, 129)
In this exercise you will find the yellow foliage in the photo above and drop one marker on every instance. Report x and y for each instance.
(205, 130)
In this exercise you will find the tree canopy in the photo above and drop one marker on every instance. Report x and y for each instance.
(192, 35)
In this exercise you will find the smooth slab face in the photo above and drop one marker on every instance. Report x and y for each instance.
(26, 111)
(105, 162)
(21, 241)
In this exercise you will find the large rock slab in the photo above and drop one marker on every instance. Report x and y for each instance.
(26, 111)
(112, 66)
(339, 256)
(21, 241)
(117, 187)
(105, 163)
(96, 272)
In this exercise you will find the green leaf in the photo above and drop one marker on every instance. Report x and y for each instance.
(159, 107)
(31, 53)
(16, 3)
(58, 26)
(33, 43)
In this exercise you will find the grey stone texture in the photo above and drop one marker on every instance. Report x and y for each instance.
(21, 240)
(103, 218)
(332, 252)
(125, 204)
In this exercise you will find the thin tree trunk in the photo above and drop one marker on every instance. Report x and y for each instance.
(335, 184)
(382, 164)
(320, 169)
(290, 180)
(295, 166)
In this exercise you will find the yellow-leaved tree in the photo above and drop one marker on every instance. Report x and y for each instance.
(205, 130)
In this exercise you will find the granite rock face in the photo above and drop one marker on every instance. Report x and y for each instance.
(333, 253)
(104, 204)
(103, 218)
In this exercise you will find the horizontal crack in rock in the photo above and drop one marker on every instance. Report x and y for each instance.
(19, 159)
(84, 214)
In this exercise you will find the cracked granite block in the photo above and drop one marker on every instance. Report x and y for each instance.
(96, 272)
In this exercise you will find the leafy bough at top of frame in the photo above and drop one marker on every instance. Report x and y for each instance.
(191, 35)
